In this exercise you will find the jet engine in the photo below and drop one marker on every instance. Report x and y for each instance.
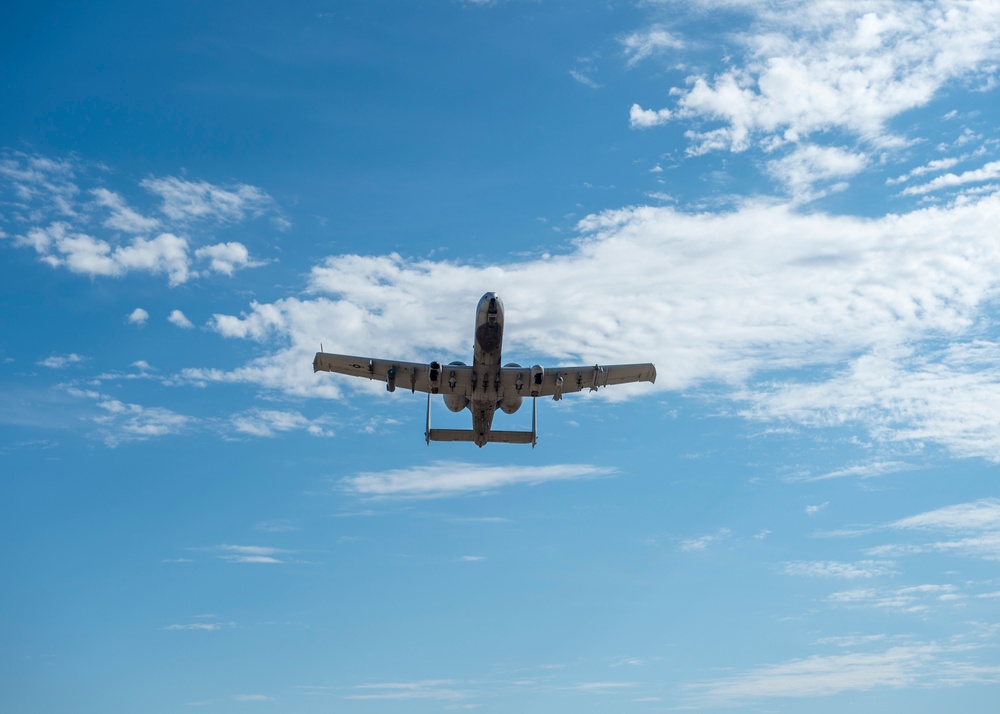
(454, 402)
(509, 405)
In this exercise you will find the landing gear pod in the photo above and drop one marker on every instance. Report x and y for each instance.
(390, 380)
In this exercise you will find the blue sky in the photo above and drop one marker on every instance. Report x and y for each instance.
(789, 207)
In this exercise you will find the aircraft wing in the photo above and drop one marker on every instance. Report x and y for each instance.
(556, 381)
(415, 376)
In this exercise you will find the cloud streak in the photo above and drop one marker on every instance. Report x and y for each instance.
(451, 478)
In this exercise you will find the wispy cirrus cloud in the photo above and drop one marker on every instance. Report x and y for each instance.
(201, 627)
(255, 554)
(453, 478)
(836, 569)
(966, 529)
(913, 665)
(988, 172)
(651, 41)
(439, 689)
(121, 422)
(700, 543)
(270, 422)
(910, 599)
(61, 361)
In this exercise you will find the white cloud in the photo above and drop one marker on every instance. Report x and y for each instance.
(812, 510)
(809, 67)
(640, 45)
(718, 298)
(929, 167)
(639, 118)
(184, 200)
(968, 529)
(122, 217)
(866, 470)
(983, 514)
(252, 698)
(123, 422)
(913, 599)
(226, 258)
(583, 79)
(451, 478)
(61, 361)
(268, 422)
(202, 626)
(254, 554)
(137, 317)
(834, 569)
(442, 689)
(809, 164)
(987, 172)
(178, 318)
(946, 397)
(693, 545)
(95, 232)
(60, 246)
(827, 675)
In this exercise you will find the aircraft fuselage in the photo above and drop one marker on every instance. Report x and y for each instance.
(486, 366)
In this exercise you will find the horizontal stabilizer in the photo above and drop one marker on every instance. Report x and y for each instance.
(504, 437)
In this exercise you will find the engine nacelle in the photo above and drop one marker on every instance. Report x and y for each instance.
(509, 405)
(456, 402)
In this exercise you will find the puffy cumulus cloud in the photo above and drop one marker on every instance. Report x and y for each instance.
(137, 317)
(60, 246)
(179, 319)
(449, 478)
(95, 232)
(639, 118)
(226, 257)
(809, 67)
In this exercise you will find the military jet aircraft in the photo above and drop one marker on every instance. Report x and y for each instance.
(485, 386)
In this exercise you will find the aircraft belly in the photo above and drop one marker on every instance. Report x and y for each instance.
(482, 419)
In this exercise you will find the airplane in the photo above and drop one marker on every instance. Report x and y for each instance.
(485, 386)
